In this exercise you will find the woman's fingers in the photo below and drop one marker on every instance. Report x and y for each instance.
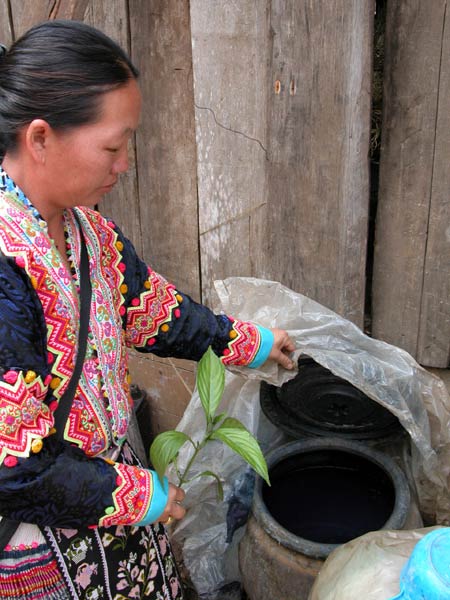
(174, 509)
(284, 360)
(282, 346)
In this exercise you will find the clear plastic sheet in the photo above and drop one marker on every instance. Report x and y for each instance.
(368, 567)
(383, 372)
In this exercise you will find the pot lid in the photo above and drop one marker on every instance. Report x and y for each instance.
(317, 402)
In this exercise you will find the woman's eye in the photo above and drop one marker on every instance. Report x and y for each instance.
(112, 149)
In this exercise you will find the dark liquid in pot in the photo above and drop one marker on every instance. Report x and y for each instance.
(329, 497)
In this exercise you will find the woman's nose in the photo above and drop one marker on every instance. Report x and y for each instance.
(120, 165)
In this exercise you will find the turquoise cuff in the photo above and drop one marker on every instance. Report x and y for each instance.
(265, 347)
(159, 500)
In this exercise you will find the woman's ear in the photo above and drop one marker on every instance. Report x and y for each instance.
(37, 137)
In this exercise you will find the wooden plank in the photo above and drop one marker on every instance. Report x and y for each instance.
(6, 35)
(230, 69)
(122, 204)
(27, 13)
(434, 334)
(413, 45)
(166, 155)
(218, 262)
(169, 384)
(318, 175)
(71, 9)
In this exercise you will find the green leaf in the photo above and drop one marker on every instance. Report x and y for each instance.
(218, 418)
(165, 448)
(233, 433)
(210, 382)
(217, 478)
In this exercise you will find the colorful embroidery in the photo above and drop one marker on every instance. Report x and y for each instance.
(130, 305)
(23, 416)
(244, 344)
(151, 311)
(57, 302)
(118, 562)
(60, 326)
(106, 327)
(32, 574)
(90, 426)
(131, 498)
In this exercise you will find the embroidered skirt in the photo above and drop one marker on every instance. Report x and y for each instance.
(115, 564)
(31, 573)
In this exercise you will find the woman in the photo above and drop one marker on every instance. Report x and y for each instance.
(91, 518)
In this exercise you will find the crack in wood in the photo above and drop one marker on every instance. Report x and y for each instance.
(222, 126)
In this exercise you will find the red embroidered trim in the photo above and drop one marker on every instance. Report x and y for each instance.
(88, 425)
(84, 426)
(150, 311)
(132, 497)
(60, 331)
(35, 577)
(23, 416)
(244, 344)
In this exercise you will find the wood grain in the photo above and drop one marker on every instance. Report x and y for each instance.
(318, 140)
(27, 13)
(434, 330)
(252, 156)
(6, 35)
(404, 249)
(230, 70)
(166, 155)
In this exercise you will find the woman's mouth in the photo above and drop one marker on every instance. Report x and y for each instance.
(109, 186)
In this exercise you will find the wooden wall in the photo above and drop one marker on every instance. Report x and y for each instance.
(282, 132)
(411, 286)
(252, 155)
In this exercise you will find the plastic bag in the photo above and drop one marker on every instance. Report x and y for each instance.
(385, 373)
(368, 567)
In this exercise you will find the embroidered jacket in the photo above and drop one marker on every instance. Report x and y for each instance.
(68, 484)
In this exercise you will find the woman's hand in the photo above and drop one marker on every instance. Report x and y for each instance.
(282, 346)
(174, 510)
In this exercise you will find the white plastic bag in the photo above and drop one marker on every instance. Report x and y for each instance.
(383, 372)
(368, 567)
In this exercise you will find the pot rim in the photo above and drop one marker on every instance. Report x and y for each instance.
(313, 549)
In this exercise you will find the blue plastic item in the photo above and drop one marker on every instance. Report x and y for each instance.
(426, 575)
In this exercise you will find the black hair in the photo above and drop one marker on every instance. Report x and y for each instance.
(57, 71)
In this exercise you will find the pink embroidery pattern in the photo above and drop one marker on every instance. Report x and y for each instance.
(60, 331)
(23, 416)
(86, 425)
(61, 335)
(150, 311)
(101, 411)
(107, 326)
(131, 498)
(90, 426)
(244, 344)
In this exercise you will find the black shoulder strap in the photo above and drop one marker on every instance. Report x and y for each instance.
(8, 526)
(62, 412)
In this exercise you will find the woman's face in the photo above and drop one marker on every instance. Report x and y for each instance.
(84, 163)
